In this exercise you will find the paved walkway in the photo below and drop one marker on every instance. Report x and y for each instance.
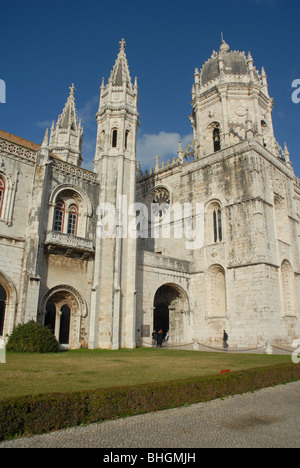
(269, 418)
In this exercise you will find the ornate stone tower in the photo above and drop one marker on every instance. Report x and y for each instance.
(117, 116)
(231, 103)
(114, 291)
(66, 137)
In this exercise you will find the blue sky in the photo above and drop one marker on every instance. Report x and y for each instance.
(48, 45)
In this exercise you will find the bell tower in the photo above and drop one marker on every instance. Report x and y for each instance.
(114, 291)
(117, 116)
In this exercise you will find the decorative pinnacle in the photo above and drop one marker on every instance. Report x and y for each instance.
(46, 139)
(72, 89)
(122, 44)
(224, 46)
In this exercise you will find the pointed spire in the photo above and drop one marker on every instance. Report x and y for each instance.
(180, 151)
(157, 163)
(43, 154)
(264, 79)
(287, 155)
(251, 67)
(62, 141)
(68, 118)
(139, 170)
(46, 139)
(120, 72)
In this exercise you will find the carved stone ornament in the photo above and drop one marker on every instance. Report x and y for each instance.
(160, 202)
(240, 111)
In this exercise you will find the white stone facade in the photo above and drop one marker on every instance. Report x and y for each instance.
(243, 273)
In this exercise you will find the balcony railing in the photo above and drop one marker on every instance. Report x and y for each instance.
(72, 244)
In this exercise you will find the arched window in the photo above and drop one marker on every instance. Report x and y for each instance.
(2, 191)
(72, 220)
(59, 215)
(114, 138)
(214, 221)
(217, 222)
(69, 211)
(216, 139)
(126, 139)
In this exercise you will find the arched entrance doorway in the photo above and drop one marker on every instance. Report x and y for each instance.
(2, 308)
(61, 310)
(171, 313)
(58, 315)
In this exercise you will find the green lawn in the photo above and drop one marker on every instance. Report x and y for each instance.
(83, 369)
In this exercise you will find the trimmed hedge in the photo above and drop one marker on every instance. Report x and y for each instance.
(38, 414)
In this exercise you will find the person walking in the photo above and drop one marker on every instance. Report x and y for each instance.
(225, 339)
(154, 339)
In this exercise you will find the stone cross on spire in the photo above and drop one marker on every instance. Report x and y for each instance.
(122, 44)
(72, 89)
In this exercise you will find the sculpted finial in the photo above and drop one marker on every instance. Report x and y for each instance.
(122, 44)
(72, 89)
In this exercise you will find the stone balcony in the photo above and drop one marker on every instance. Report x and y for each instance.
(68, 245)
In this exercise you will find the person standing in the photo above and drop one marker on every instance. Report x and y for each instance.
(225, 340)
(154, 339)
(160, 338)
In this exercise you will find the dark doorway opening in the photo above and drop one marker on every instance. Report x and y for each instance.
(64, 330)
(161, 318)
(171, 312)
(2, 308)
(50, 317)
